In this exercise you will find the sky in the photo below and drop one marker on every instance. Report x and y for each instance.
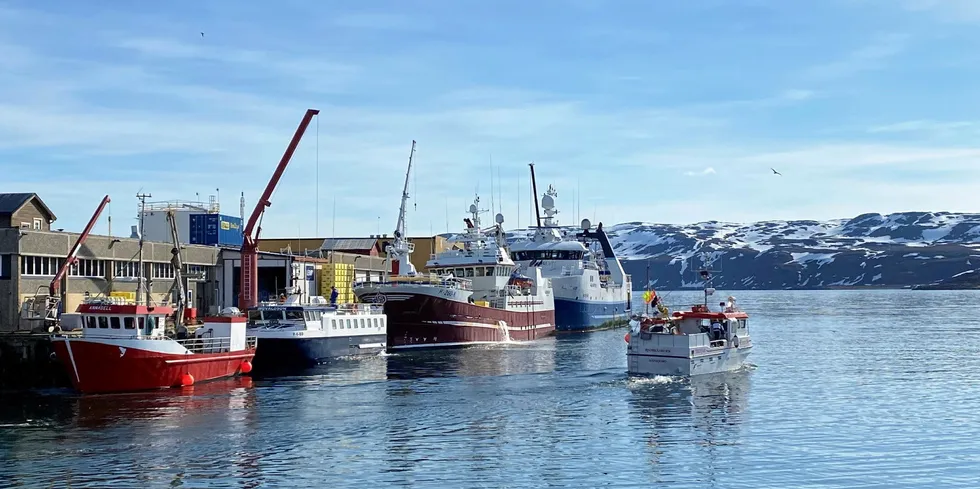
(668, 112)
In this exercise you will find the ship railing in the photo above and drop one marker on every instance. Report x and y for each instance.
(449, 282)
(213, 345)
(360, 308)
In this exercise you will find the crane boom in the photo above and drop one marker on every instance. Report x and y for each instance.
(250, 237)
(400, 225)
(400, 250)
(71, 258)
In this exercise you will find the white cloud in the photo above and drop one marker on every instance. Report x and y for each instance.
(948, 10)
(869, 57)
(707, 171)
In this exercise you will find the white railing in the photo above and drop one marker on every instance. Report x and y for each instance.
(205, 344)
(451, 283)
(360, 308)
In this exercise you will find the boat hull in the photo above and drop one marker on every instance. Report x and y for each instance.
(276, 352)
(418, 320)
(721, 360)
(104, 367)
(577, 315)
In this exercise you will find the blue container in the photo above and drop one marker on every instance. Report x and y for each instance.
(215, 230)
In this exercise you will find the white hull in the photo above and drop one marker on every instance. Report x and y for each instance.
(683, 355)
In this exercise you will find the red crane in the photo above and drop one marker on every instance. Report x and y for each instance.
(250, 244)
(56, 281)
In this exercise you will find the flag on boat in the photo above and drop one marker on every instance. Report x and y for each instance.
(649, 295)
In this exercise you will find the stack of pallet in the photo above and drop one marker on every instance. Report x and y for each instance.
(341, 276)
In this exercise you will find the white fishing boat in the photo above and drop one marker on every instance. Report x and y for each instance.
(694, 342)
(303, 333)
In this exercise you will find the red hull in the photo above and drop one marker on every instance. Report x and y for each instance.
(426, 321)
(100, 368)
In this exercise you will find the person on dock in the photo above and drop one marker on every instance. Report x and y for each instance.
(333, 296)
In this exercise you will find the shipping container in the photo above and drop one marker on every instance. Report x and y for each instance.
(215, 230)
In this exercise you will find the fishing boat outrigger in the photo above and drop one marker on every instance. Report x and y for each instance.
(698, 341)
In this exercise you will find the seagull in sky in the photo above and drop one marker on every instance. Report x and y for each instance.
(776, 172)
(202, 34)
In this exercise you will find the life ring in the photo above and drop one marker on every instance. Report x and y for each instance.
(735, 341)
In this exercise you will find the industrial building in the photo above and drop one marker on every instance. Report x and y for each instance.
(31, 254)
(370, 247)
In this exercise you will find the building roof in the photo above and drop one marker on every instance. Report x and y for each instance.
(340, 244)
(11, 203)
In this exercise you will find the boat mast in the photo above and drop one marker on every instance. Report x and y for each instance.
(534, 187)
(139, 270)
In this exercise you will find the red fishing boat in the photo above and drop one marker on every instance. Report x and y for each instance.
(123, 347)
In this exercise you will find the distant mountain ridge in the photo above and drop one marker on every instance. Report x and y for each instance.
(896, 250)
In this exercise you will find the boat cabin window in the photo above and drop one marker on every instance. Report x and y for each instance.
(294, 315)
(348, 324)
(254, 315)
(333, 323)
(90, 321)
(469, 272)
(271, 315)
(114, 322)
(375, 322)
(103, 322)
(458, 272)
(139, 323)
(151, 324)
(129, 323)
(362, 323)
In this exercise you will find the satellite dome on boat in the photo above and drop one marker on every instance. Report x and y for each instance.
(586, 224)
(499, 218)
(472, 208)
(547, 202)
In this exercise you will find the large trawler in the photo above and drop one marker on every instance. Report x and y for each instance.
(592, 291)
(123, 346)
(472, 295)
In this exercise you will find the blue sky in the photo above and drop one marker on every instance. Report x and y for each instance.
(657, 111)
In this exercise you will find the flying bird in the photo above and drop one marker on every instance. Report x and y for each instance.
(776, 172)
(202, 34)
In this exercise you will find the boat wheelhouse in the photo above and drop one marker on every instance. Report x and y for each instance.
(301, 333)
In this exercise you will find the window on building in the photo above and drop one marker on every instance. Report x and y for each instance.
(127, 269)
(38, 223)
(114, 322)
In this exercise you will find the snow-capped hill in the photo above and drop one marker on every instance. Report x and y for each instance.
(893, 250)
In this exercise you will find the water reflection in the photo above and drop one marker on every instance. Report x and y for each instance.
(481, 360)
(705, 412)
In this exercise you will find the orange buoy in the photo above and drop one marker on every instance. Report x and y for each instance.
(246, 366)
(627, 337)
(186, 380)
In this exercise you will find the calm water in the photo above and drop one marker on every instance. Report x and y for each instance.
(849, 389)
